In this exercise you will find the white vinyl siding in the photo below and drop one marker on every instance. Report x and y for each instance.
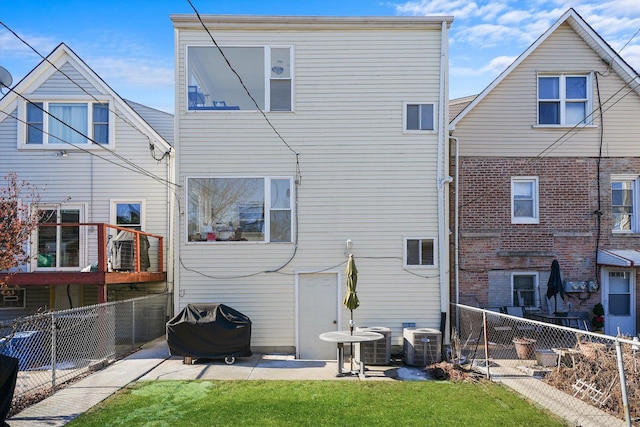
(514, 102)
(83, 178)
(361, 177)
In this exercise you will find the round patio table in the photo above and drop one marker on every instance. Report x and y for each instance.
(342, 337)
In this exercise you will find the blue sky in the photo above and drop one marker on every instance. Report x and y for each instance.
(130, 43)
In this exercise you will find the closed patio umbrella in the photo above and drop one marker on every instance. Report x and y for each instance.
(554, 285)
(351, 298)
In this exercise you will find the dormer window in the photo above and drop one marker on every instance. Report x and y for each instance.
(64, 124)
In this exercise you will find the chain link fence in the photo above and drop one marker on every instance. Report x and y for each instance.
(586, 377)
(57, 347)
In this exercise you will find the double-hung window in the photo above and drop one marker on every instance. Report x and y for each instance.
(64, 124)
(419, 117)
(523, 290)
(524, 200)
(623, 201)
(564, 99)
(254, 209)
(239, 78)
(419, 252)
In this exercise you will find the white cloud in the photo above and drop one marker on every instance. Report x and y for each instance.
(132, 71)
(491, 69)
(458, 8)
(489, 35)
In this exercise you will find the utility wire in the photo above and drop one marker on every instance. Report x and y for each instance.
(241, 81)
(561, 140)
(132, 166)
(125, 120)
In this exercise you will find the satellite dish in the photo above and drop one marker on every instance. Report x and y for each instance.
(5, 78)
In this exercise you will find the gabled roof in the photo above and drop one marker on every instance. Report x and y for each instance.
(61, 55)
(588, 34)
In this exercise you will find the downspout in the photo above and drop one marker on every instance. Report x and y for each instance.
(443, 247)
(456, 228)
(170, 243)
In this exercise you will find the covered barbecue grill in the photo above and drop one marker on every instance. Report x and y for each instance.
(209, 331)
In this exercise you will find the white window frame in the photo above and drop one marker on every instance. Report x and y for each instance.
(23, 296)
(420, 104)
(635, 186)
(419, 266)
(267, 78)
(114, 211)
(588, 120)
(267, 209)
(535, 218)
(71, 99)
(82, 238)
(536, 288)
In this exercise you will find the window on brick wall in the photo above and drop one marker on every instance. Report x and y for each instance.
(623, 201)
(524, 290)
(524, 200)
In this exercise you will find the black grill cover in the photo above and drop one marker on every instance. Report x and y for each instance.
(209, 331)
(8, 377)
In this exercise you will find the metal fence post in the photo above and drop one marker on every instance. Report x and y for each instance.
(486, 342)
(54, 350)
(133, 325)
(623, 383)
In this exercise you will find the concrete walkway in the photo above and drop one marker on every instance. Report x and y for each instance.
(153, 362)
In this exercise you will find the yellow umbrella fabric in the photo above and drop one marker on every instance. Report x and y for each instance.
(351, 298)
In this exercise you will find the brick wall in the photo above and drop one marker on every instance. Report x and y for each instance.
(490, 247)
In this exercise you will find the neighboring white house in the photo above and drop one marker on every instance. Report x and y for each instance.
(106, 160)
(301, 140)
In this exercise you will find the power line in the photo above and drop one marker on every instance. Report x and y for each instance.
(125, 120)
(242, 82)
(133, 167)
(560, 140)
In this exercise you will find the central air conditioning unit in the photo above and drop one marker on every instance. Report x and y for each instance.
(375, 352)
(417, 350)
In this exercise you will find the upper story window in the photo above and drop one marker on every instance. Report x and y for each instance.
(419, 252)
(563, 99)
(419, 117)
(622, 204)
(524, 200)
(59, 124)
(265, 71)
(128, 214)
(239, 209)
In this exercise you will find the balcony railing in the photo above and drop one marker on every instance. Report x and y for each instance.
(102, 254)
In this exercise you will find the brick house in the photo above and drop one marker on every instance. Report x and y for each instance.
(547, 166)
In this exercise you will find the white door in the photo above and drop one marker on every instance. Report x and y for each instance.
(317, 313)
(618, 296)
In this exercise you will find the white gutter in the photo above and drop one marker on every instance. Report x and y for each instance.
(443, 247)
(456, 228)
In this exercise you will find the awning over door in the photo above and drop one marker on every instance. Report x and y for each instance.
(619, 257)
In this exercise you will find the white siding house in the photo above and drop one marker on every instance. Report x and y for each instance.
(301, 140)
(101, 162)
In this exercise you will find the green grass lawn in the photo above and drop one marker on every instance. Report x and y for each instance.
(316, 403)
